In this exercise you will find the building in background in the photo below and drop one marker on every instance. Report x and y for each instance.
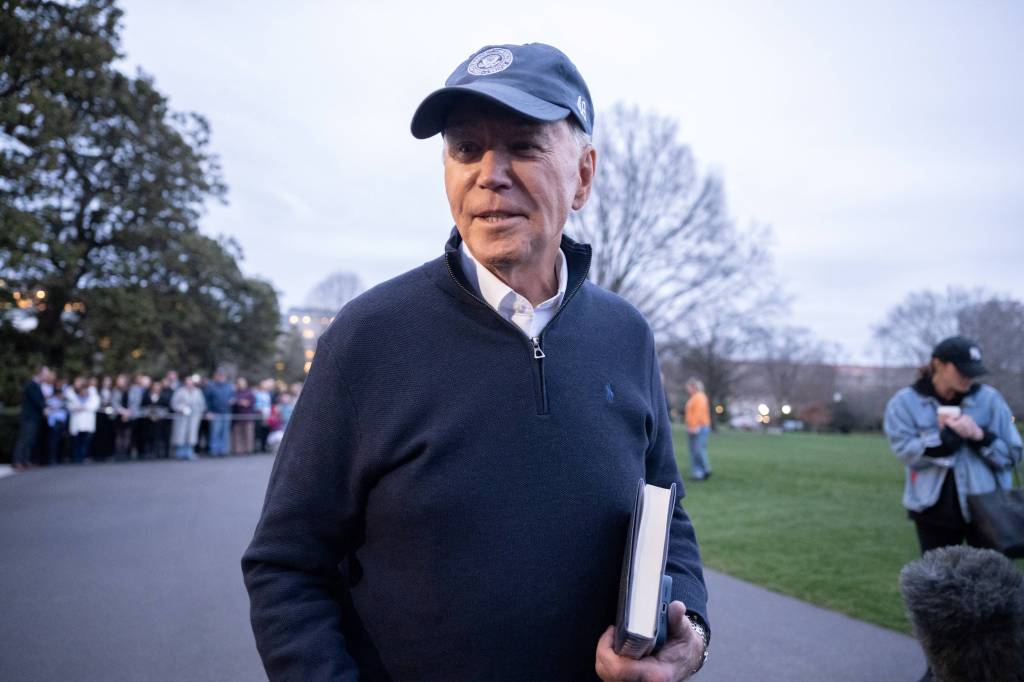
(301, 328)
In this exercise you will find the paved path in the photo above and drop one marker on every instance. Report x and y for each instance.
(131, 572)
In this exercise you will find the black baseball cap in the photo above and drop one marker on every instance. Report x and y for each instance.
(962, 352)
(534, 80)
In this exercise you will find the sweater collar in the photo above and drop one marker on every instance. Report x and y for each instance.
(577, 261)
(501, 296)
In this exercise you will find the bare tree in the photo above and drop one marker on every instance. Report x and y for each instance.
(334, 291)
(913, 327)
(659, 229)
(998, 326)
(712, 341)
(788, 358)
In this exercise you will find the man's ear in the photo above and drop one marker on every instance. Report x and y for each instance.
(587, 169)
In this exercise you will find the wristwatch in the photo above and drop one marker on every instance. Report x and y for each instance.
(698, 627)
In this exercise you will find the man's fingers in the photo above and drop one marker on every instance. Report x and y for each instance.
(678, 628)
(607, 664)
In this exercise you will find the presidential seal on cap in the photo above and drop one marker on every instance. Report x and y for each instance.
(963, 353)
(534, 80)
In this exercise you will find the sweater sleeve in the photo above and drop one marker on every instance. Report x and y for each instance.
(308, 522)
(684, 563)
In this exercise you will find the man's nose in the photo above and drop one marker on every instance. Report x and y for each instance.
(495, 170)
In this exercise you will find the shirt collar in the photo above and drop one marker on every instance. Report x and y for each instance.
(496, 293)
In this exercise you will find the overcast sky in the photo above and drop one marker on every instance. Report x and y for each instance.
(883, 142)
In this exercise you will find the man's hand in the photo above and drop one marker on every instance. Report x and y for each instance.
(965, 427)
(676, 660)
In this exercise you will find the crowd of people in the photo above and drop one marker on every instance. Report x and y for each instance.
(143, 417)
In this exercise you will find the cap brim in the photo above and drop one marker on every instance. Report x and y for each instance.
(431, 114)
(972, 369)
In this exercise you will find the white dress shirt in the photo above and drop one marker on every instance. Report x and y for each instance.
(509, 303)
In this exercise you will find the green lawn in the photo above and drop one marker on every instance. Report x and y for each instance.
(814, 516)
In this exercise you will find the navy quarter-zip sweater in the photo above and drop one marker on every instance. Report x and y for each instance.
(447, 506)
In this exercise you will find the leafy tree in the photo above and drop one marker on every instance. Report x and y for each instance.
(101, 189)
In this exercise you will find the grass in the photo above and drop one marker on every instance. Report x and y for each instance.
(814, 516)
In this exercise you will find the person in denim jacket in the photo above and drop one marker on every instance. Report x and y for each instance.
(951, 453)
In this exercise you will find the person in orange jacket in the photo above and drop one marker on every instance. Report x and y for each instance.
(698, 425)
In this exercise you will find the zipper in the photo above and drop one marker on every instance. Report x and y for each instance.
(538, 354)
(535, 343)
(538, 376)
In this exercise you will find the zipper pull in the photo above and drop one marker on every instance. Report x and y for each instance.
(537, 352)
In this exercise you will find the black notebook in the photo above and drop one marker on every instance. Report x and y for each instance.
(645, 591)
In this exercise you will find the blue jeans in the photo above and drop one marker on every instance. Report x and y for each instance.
(220, 435)
(80, 446)
(699, 452)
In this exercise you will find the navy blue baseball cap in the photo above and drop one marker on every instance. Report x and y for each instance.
(534, 80)
(962, 352)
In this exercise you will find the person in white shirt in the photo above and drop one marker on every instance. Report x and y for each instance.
(82, 402)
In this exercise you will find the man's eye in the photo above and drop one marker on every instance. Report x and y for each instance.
(464, 148)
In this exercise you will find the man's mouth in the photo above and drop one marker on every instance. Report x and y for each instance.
(497, 216)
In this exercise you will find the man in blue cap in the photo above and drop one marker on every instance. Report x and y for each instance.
(451, 497)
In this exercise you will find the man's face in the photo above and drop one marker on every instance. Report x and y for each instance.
(511, 183)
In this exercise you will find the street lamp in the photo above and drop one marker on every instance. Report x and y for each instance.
(786, 409)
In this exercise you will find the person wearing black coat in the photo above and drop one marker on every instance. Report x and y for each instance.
(33, 404)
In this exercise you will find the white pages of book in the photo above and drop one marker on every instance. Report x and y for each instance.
(649, 562)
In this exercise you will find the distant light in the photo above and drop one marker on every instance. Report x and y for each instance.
(310, 354)
(307, 333)
(324, 321)
(40, 294)
(837, 397)
(306, 319)
(763, 410)
(786, 409)
(279, 366)
(294, 319)
(137, 353)
(767, 419)
(719, 409)
(306, 367)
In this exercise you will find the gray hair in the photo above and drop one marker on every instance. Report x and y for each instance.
(967, 608)
(696, 384)
(578, 134)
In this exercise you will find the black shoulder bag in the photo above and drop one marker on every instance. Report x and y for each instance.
(998, 516)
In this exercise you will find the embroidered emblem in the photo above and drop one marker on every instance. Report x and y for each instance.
(975, 353)
(490, 61)
(581, 104)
